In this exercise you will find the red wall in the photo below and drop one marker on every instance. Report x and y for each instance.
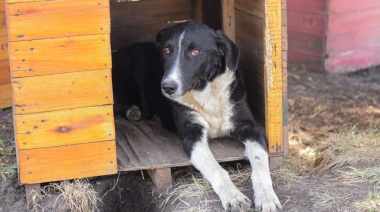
(334, 35)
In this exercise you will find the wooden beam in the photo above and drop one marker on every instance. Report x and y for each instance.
(32, 191)
(229, 23)
(162, 178)
(273, 81)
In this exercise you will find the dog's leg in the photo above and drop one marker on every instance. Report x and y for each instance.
(195, 143)
(265, 198)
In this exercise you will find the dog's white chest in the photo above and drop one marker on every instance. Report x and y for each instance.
(213, 105)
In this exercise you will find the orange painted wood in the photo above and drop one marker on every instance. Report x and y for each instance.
(3, 27)
(49, 19)
(65, 127)
(273, 76)
(5, 75)
(5, 95)
(67, 162)
(3, 48)
(20, 1)
(62, 91)
(58, 55)
(2, 6)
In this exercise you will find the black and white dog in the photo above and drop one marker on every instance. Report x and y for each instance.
(201, 78)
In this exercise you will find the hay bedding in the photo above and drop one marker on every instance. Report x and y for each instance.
(325, 111)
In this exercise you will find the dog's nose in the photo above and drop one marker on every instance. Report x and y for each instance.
(169, 87)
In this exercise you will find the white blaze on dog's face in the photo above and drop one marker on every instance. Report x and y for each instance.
(191, 57)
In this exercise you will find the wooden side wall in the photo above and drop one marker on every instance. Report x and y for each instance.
(5, 77)
(62, 93)
(306, 29)
(353, 35)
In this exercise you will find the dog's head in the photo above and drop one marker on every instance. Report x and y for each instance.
(193, 54)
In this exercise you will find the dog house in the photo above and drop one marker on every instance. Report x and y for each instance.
(60, 64)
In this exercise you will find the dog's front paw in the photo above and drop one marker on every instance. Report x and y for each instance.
(267, 202)
(237, 203)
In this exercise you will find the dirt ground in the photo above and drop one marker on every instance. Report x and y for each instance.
(333, 165)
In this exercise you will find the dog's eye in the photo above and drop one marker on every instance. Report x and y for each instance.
(166, 50)
(195, 52)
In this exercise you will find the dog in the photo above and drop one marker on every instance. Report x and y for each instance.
(136, 76)
(208, 100)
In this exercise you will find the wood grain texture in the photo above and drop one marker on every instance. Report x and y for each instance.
(57, 19)
(273, 75)
(129, 13)
(59, 55)
(5, 95)
(3, 27)
(250, 28)
(4, 48)
(229, 19)
(5, 75)
(253, 7)
(67, 162)
(306, 22)
(62, 91)
(65, 127)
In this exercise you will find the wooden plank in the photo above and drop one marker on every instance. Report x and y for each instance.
(2, 5)
(65, 127)
(20, 1)
(250, 28)
(338, 6)
(57, 19)
(253, 7)
(155, 11)
(353, 60)
(32, 191)
(273, 75)
(59, 55)
(67, 162)
(308, 44)
(229, 19)
(3, 27)
(315, 6)
(5, 95)
(5, 75)
(4, 48)
(197, 10)
(307, 22)
(353, 21)
(162, 178)
(62, 91)
(362, 39)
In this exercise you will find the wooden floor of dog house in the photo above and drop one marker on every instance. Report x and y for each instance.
(145, 145)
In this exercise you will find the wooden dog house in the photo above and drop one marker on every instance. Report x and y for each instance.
(60, 64)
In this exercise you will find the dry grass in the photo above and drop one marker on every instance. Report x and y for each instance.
(354, 176)
(78, 194)
(333, 150)
(350, 148)
(330, 200)
(372, 203)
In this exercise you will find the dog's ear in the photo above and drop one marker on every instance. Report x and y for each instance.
(229, 49)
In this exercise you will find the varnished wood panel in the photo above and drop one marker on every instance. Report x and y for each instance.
(49, 19)
(67, 162)
(3, 28)
(65, 127)
(58, 55)
(229, 19)
(5, 95)
(250, 28)
(149, 12)
(3, 48)
(62, 91)
(273, 75)
(5, 75)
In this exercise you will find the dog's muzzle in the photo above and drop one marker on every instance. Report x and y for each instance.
(169, 87)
